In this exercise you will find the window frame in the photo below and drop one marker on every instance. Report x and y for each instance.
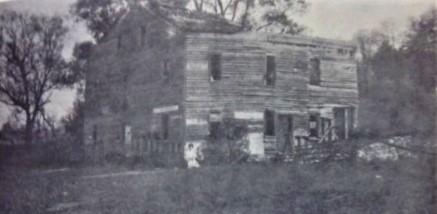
(214, 124)
(119, 42)
(313, 131)
(270, 74)
(315, 72)
(269, 124)
(165, 72)
(215, 67)
(165, 126)
(143, 31)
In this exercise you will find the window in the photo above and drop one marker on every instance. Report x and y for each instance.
(315, 71)
(269, 118)
(215, 67)
(119, 42)
(270, 70)
(94, 134)
(214, 125)
(127, 135)
(313, 123)
(165, 126)
(165, 70)
(143, 36)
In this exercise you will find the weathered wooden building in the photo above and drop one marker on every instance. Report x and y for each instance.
(166, 77)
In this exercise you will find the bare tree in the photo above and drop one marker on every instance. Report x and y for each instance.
(252, 15)
(31, 64)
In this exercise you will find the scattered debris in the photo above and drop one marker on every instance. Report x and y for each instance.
(389, 149)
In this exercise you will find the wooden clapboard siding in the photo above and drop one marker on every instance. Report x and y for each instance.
(124, 86)
(338, 83)
(127, 84)
(242, 87)
(243, 64)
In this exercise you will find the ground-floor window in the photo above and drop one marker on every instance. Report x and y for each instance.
(94, 134)
(314, 125)
(127, 134)
(165, 126)
(214, 121)
(269, 126)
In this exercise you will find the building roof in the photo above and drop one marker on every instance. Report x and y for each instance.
(194, 21)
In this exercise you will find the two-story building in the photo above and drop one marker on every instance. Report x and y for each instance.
(166, 77)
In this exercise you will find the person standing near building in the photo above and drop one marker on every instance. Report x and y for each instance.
(192, 156)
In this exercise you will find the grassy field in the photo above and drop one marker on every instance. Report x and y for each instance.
(331, 188)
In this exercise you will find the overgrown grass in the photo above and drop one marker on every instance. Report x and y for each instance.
(336, 188)
(379, 187)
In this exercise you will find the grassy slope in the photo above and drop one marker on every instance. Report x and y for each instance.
(386, 188)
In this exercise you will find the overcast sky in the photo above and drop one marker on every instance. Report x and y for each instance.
(336, 19)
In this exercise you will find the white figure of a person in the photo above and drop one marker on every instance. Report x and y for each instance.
(192, 155)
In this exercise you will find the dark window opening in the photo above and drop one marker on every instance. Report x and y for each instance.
(165, 70)
(314, 125)
(94, 134)
(270, 70)
(214, 124)
(269, 118)
(165, 126)
(215, 67)
(315, 72)
(119, 42)
(351, 120)
(143, 36)
(125, 105)
(214, 129)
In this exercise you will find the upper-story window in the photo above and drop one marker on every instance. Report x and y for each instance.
(215, 67)
(315, 71)
(119, 42)
(270, 70)
(143, 36)
(165, 70)
(94, 134)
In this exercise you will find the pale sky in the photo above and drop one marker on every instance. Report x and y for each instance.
(336, 19)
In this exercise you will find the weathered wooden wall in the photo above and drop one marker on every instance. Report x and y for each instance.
(242, 88)
(125, 85)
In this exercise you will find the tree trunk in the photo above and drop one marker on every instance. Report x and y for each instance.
(28, 131)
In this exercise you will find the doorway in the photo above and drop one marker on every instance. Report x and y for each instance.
(285, 137)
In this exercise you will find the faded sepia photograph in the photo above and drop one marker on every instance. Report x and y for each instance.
(218, 106)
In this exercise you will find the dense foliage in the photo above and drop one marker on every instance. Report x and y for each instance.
(398, 82)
